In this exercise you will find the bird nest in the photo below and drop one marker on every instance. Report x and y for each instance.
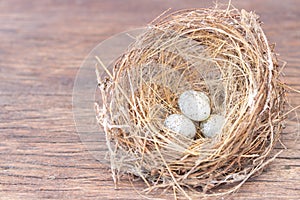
(222, 53)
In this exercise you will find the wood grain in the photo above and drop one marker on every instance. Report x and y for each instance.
(42, 45)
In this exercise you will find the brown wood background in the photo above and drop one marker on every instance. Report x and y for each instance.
(42, 44)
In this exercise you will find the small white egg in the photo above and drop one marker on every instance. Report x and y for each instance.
(212, 126)
(195, 105)
(181, 125)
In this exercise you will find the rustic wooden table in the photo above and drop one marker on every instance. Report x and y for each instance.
(42, 45)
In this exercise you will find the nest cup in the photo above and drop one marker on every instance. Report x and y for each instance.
(221, 52)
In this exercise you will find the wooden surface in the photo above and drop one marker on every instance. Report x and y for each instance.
(42, 45)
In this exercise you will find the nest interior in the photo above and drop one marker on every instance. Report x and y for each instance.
(221, 52)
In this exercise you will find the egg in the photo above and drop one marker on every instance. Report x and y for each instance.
(195, 105)
(180, 124)
(212, 126)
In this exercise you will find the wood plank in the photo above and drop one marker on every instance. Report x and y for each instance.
(42, 45)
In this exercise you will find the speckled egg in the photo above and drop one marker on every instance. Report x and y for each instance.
(195, 105)
(181, 125)
(212, 126)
